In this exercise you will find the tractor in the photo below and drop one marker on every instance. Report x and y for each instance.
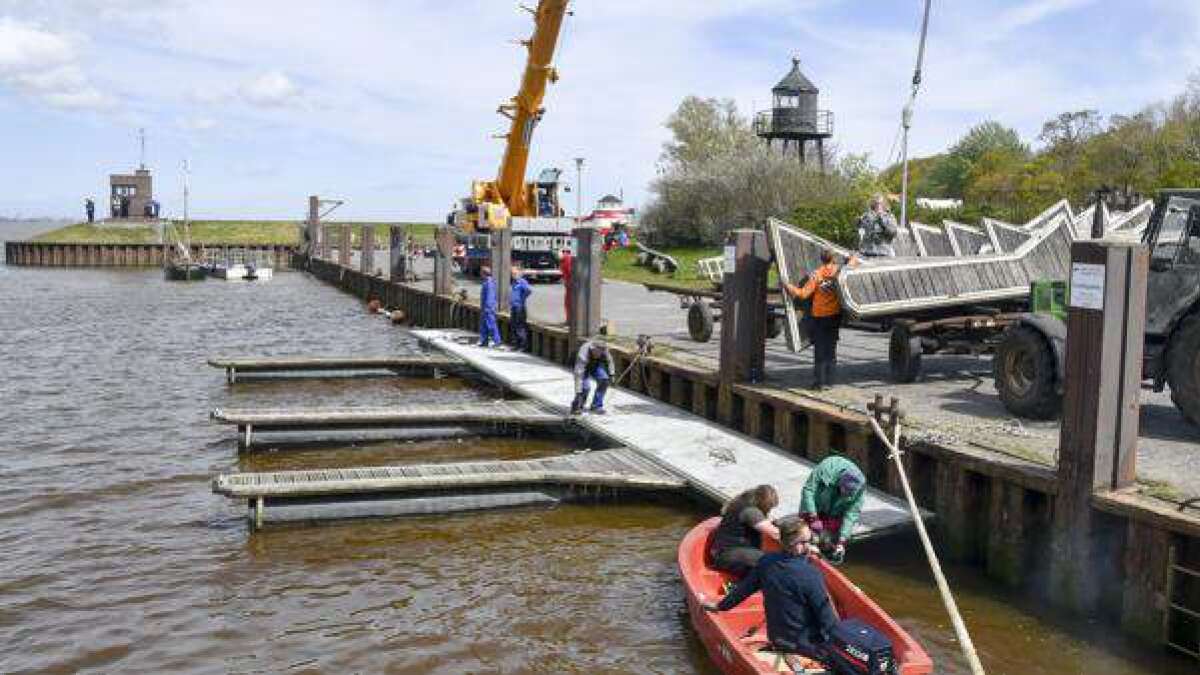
(1029, 364)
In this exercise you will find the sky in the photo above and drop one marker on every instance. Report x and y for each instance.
(390, 104)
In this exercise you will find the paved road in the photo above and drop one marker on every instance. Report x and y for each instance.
(954, 400)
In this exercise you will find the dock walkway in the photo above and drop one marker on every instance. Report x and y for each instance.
(498, 413)
(421, 489)
(274, 365)
(716, 461)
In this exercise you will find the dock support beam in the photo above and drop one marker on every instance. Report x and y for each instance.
(398, 253)
(744, 307)
(366, 261)
(441, 261)
(502, 266)
(313, 227)
(1098, 438)
(586, 284)
(344, 246)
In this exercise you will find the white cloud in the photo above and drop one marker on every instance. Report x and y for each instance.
(1034, 11)
(196, 123)
(271, 90)
(44, 65)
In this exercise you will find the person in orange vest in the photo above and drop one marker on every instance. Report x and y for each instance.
(825, 317)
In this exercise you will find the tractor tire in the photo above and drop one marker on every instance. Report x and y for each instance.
(774, 327)
(700, 321)
(1024, 372)
(904, 353)
(1183, 369)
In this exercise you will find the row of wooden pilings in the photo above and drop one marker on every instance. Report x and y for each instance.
(1004, 515)
(47, 254)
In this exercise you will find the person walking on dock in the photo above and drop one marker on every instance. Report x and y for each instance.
(736, 544)
(825, 317)
(796, 601)
(518, 318)
(489, 330)
(89, 206)
(831, 502)
(564, 268)
(877, 229)
(593, 365)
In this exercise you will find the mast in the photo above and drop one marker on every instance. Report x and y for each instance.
(906, 117)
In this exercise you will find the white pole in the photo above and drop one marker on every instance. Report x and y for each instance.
(578, 190)
(960, 628)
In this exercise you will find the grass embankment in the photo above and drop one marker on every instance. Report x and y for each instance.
(217, 232)
(622, 265)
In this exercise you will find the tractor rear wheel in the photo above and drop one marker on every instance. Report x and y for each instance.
(1023, 369)
(1183, 369)
(904, 353)
(700, 321)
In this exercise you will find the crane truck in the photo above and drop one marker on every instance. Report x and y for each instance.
(530, 209)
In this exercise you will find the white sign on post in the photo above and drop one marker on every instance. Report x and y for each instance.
(730, 259)
(1087, 286)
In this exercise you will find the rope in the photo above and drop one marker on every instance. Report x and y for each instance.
(960, 628)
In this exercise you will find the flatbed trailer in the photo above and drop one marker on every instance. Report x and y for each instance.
(703, 306)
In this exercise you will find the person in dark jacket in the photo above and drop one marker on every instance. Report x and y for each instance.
(593, 363)
(799, 613)
(489, 330)
(518, 318)
(736, 544)
(90, 207)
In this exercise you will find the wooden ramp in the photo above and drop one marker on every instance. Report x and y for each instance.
(717, 462)
(442, 488)
(275, 365)
(498, 413)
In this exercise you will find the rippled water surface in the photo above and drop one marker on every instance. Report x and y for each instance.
(116, 556)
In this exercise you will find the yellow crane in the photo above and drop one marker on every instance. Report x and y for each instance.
(492, 202)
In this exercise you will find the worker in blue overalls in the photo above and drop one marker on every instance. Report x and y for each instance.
(518, 319)
(593, 363)
(489, 330)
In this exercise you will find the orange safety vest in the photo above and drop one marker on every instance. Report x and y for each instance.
(825, 300)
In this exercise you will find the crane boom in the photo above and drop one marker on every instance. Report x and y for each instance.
(525, 110)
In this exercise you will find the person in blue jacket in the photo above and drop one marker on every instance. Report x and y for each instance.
(489, 330)
(518, 319)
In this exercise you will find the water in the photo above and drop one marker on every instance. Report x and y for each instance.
(115, 556)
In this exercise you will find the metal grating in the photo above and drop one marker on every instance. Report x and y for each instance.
(1181, 624)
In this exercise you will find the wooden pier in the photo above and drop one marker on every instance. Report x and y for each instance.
(276, 365)
(714, 460)
(500, 414)
(443, 488)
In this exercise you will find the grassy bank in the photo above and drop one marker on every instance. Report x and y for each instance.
(622, 264)
(262, 232)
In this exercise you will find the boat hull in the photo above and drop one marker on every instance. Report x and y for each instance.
(184, 272)
(735, 638)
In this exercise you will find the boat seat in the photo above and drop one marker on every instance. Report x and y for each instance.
(790, 663)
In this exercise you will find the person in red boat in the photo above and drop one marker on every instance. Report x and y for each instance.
(799, 612)
(736, 544)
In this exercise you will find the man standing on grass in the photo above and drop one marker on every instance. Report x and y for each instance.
(518, 319)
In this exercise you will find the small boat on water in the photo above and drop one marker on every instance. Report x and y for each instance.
(736, 640)
(237, 264)
(183, 270)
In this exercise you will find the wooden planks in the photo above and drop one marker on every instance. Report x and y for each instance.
(274, 365)
(521, 413)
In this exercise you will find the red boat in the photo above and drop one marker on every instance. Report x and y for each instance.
(735, 639)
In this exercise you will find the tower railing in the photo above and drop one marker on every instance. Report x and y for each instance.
(818, 124)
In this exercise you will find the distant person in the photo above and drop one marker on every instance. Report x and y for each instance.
(877, 229)
(593, 364)
(825, 317)
(518, 318)
(622, 238)
(564, 267)
(796, 601)
(114, 206)
(736, 544)
(125, 207)
(89, 207)
(489, 330)
(831, 502)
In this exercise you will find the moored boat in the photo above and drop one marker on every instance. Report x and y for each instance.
(736, 640)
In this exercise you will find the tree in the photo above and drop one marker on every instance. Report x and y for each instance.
(987, 137)
(703, 129)
(1066, 133)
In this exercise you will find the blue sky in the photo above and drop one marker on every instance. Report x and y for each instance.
(390, 104)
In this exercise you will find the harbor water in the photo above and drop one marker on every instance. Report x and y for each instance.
(116, 557)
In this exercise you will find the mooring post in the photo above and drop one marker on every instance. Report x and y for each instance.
(1098, 437)
(398, 253)
(502, 266)
(586, 286)
(344, 246)
(313, 228)
(366, 260)
(441, 261)
(744, 307)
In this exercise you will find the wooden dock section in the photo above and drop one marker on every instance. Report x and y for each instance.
(717, 462)
(500, 414)
(276, 365)
(442, 488)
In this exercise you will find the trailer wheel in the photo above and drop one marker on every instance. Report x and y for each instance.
(700, 321)
(659, 266)
(904, 353)
(1023, 369)
(1183, 369)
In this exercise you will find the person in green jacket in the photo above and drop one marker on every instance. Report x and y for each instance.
(831, 502)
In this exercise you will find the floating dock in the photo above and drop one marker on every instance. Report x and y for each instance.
(715, 461)
(276, 365)
(500, 414)
(442, 488)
